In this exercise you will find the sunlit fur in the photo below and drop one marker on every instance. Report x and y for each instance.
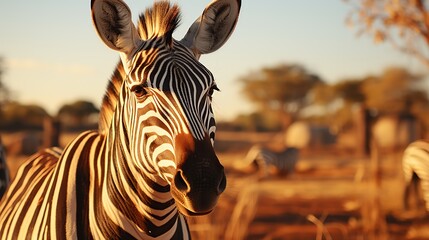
(4, 172)
(159, 22)
(415, 164)
(111, 98)
(126, 181)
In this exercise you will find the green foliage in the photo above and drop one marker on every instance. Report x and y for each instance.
(343, 118)
(349, 90)
(16, 116)
(322, 94)
(287, 90)
(258, 121)
(4, 91)
(78, 115)
(281, 88)
(279, 92)
(393, 92)
(79, 109)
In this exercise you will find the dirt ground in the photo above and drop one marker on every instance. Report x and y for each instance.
(331, 194)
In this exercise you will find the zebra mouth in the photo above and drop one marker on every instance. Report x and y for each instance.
(187, 212)
(189, 206)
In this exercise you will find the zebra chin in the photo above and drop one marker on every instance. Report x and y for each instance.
(187, 212)
(194, 207)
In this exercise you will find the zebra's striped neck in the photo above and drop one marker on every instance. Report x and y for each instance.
(136, 202)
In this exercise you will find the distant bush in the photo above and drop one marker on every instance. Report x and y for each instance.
(17, 116)
(259, 122)
(79, 115)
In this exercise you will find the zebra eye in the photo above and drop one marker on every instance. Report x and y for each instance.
(139, 90)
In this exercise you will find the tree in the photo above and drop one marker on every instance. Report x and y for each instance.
(347, 91)
(16, 116)
(4, 91)
(281, 89)
(393, 92)
(78, 114)
(254, 122)
(334, 104)
(403, 23)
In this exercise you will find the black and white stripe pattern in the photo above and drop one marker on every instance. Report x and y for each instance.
(4, 172)
(415, 165)
(152, 161)
(284, 161)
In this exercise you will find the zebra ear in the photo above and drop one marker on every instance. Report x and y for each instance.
(210, 31)
(112, 20)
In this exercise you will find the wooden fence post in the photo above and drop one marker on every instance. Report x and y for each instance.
(51, 132)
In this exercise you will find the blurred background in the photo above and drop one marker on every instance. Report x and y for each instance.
(330, 92)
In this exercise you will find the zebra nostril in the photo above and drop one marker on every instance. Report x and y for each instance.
(181, 183)
(222, 184)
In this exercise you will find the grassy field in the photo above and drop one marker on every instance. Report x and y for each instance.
(331, 195)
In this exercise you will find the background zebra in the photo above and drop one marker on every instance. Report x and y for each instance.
(4, 173)
(283, 161)
(152, 161)
(415, 164)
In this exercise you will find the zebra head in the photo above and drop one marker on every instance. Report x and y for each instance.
(165, 100)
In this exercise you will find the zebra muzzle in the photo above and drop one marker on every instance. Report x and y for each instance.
(199, 177)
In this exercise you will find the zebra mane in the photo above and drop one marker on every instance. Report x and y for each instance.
(160, 20)
(110, 98)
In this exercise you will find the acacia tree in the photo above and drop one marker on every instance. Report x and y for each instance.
(77, 114)
(347, 91)
(4, 91)
(393, 92)
(403, 23)
(16, 116)
(281, 90)
(335, 103)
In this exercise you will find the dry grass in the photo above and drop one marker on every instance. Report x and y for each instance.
(332, 195)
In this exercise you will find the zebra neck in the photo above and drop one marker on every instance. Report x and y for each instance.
(132, 203)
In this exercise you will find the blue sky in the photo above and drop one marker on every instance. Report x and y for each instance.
(53, 55)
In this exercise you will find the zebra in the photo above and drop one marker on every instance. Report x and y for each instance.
(4, 172)
(151, 163)
(415, 165)
(283, 161)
